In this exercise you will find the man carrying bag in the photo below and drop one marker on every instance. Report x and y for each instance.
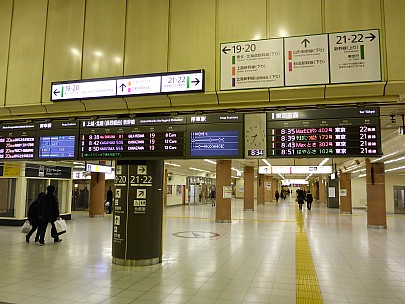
(48, 213)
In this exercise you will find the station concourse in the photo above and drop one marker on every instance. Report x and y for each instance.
(195, 113)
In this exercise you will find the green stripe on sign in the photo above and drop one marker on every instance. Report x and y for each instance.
(188, 82)
(233, 59)
(63, 89)
(361, 51)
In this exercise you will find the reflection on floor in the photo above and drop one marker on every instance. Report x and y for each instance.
(251, 260)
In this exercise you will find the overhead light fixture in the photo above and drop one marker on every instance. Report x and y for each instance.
(394, 160)
(394, 169)
(171, 164)
(266, 162)
(323, 162)
(383, 157)
(281, 176)
(210, 161)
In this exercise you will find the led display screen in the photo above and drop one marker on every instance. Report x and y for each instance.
(18, 145)
(57, 147)
(215, 135)
(132, 139)
(327, 137)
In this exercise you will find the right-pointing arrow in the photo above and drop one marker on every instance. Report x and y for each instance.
(196, 81)
(372, 37)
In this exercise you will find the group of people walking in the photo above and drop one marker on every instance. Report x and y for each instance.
(44, 210)
(302, 196)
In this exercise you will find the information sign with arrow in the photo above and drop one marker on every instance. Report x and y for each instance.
(252, 64)
(306, 60)
(355, 56)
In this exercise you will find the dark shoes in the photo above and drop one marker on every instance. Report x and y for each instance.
(41, 244)
(27, 238)
(57, 241)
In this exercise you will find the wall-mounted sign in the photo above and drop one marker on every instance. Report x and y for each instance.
(162, 83)
(306, 60)
(227, 192)
(252, 64)
(12, 169)
(35, 170)
(343, 192)
(355, 56)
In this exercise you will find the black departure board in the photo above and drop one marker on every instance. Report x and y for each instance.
(18, 141)
(58, 140)
(215, 135)
(324, 133)
(162, 137)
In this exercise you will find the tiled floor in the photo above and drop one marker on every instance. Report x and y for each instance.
(251, 261)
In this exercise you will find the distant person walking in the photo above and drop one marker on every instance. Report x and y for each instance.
(109, 200)
(300, 198)
(309, 200)
(33, 217)
(48, 213)
(277, 195)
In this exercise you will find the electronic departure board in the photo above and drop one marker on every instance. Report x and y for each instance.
(215, 135)
(17, 141)
(323, 133)
(160, 137)
(58, 140)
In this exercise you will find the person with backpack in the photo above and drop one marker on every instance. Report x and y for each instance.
(33, 218)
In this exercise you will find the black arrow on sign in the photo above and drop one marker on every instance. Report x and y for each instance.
(56, 92)
(142, 169)
(141, 193)
(122, 86)
(196, 81)
(305, 42)
(372, 37)
(225, 50)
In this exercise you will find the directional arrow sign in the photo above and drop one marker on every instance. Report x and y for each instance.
(306, 60)
(305, 42)
(139, 85)
(184, 82)
(355, 56)
(142, 169)
(82, 90)
(141, 193)
(225, 50)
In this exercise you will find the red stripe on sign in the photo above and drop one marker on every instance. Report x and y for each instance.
(290, 170)
(289, 55)
(233, 71)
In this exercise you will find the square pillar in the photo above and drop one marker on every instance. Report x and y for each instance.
(345, 193)
(375, 185)
(248, 196)
(223, 205)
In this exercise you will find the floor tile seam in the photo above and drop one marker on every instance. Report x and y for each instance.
(234, 219)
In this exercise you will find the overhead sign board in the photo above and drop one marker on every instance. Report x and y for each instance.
(355, 56)
(306, 60)
(295, 169)
(98, 168)
(162, 83)
(252, 64)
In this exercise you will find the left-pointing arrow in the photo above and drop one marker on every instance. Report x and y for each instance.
(196, 81)
(225, 50)
(56, 92)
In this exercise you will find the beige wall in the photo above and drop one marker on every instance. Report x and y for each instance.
(359, 196)
(43, 41)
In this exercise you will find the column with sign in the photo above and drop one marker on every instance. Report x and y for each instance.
(143, 212)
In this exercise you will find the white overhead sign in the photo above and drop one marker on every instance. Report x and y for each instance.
(163, 83)
(355, 56)
(138, 86)
(98, 168)
(306, 60)
(287, 182)
(295, 169)
(252, 64)
(85, 89)
(182, 82)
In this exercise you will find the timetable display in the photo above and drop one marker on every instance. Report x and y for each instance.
(17, 145)
(345, 137)
(57, 146)
(215, 135)
(214, 143)
(125, 139)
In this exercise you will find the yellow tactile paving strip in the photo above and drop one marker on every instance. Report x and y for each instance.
(307, 287)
